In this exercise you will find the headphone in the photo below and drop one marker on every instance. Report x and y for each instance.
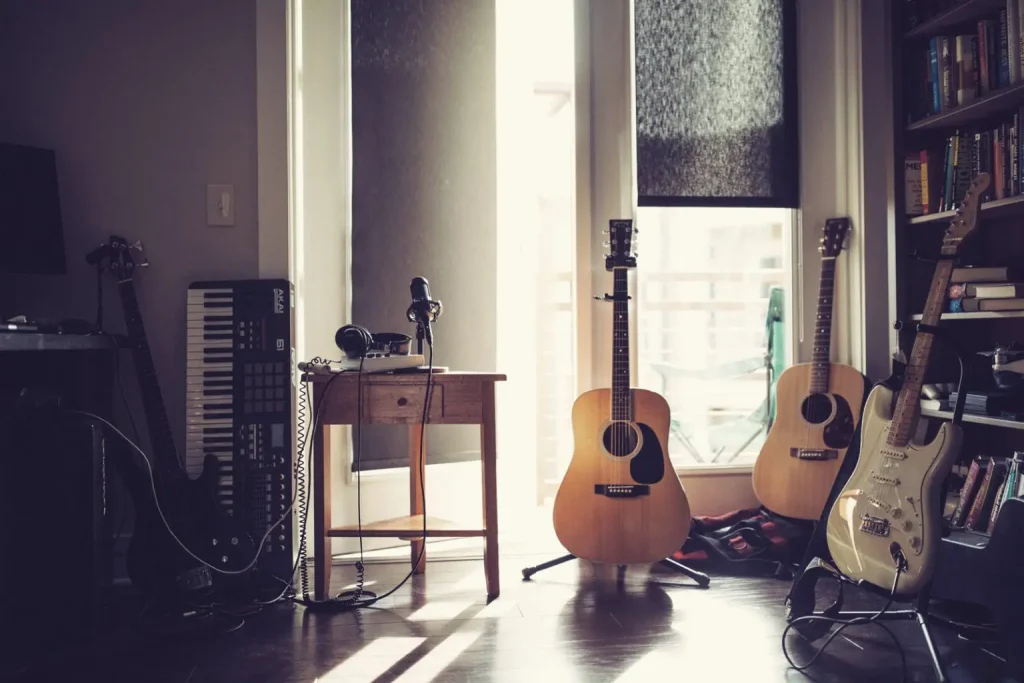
(358, 342)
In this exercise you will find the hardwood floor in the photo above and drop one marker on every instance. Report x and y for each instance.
(570, 623)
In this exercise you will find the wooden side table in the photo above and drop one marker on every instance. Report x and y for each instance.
(457, 398)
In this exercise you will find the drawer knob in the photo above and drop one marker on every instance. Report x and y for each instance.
(402, 401)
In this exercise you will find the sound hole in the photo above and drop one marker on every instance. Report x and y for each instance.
(621, 438)
(816, 408)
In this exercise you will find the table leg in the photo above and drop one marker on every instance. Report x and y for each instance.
(322, 512)
(489, 466)
(417, 434)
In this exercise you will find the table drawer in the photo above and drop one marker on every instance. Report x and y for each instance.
(402, 403)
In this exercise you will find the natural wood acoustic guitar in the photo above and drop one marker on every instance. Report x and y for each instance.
(818, 406)
(621, 501)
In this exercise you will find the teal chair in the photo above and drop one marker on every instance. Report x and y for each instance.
(733, 437)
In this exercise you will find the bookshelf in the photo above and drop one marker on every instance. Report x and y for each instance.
(953, 16)
(978, 127)
(977, 315)
(975, 419)
(992, 209)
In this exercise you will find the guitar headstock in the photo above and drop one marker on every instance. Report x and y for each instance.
(966, 218)
(621, 245)
(833, 237)
(117, 257)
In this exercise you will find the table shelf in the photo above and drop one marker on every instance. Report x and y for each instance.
(409, 527)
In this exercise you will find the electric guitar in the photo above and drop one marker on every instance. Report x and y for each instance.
(620, 501)
(888, 514)
(818, 406)
(156, 563)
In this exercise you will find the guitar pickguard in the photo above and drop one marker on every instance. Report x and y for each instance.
(648, 466)
(839, 432)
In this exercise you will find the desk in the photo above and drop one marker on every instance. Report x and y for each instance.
(457, 398)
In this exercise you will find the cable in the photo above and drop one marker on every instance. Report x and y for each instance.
(844, 623)
(131, 420)
(160, 511)
(359, 598)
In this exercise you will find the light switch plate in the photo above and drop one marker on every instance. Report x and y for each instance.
(220, 205)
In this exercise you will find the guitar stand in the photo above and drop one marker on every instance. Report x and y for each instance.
(801, 598)
(702, 579)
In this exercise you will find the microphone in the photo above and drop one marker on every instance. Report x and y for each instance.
(423, 310)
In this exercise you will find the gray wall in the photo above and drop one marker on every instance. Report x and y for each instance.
(145, 103)
(424, 187)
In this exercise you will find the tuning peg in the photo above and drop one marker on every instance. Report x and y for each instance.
(606, 243)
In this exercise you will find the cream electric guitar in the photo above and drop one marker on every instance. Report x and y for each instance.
(887, 514)
(620, 501)
(819, 406)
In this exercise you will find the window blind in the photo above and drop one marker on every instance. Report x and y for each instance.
(716, 103)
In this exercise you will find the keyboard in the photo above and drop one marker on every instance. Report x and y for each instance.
(239, 404)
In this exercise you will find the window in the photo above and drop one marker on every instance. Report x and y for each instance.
(705, 280)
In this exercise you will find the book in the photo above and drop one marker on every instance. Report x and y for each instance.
(913, 186)
(977, 518)
(966, 48)
(975, 305)
(969, 274)
(975, 474)
(1006, 491)
(989, 290)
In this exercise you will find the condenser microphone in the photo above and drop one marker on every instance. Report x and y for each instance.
(423, 310)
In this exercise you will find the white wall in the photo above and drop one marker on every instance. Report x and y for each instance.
(145, 103)
(846, 169)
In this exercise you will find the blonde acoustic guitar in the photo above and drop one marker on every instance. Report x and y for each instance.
(818, 408)
(620, 501)
(885, 525)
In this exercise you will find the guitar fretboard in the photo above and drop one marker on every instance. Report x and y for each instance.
(621, 397)
(822, 352)
(908, 405)
(160, 436)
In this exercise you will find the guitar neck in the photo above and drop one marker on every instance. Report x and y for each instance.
(822, 352)
(908, 405)
(165, 454)
(621, 408)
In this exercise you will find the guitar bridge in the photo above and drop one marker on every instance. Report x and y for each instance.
(814, 453)
(876, 526)
(622, 490)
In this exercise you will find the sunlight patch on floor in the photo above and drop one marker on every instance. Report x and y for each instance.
(373, 660)
(435, 661)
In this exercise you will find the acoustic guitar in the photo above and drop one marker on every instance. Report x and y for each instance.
(888, 515)
(818, 406)
(620, 501)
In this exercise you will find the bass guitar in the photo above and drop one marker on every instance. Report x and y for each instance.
(620, 501)
(157, 564)
(818, 406)
(884, 527)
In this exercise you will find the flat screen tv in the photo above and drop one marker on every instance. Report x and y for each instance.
(31, 234)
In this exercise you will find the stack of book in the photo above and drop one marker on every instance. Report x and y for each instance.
(974, 289)
(989, 482)
(977, 59)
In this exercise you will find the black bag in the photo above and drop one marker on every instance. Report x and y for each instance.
(752, 542)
